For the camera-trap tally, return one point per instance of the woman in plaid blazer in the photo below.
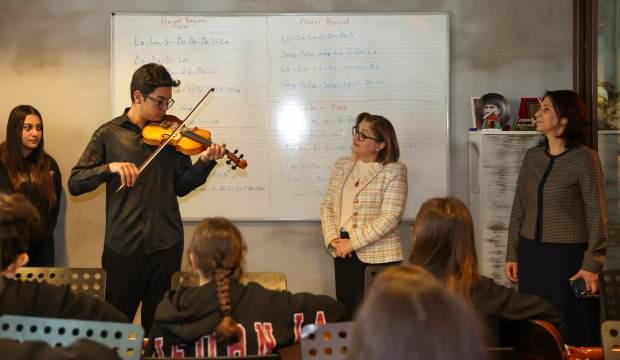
(363, 206)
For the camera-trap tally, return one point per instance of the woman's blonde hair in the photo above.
(385, 133)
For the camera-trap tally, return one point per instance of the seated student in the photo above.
(38, 350)
(223, 317)
(408, 314)
(17, 220)
(443, 243)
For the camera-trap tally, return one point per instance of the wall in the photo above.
(56, 56)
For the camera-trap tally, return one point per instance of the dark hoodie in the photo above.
(269, 320)
(38, 350)
(45, 300)
(495, 303)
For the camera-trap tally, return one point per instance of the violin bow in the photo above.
(165, 142)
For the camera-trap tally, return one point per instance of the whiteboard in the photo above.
(288, 89)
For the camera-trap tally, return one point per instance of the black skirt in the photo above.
(544, 270)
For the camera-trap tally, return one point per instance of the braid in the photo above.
(219, 252)
(227, 330)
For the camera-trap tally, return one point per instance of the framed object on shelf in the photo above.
(476, 112)
(526, 115)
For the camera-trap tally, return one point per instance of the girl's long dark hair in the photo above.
(36, 167)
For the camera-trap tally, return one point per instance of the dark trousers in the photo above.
(544, 270)
(351, 281)
(146, 278)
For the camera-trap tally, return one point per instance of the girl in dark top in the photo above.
(223, 317)
(443, 243)
(29, 170)
(17, 220)
(409, 315)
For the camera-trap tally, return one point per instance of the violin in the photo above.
(189, 141)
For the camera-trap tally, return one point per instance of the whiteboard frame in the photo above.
(446, 15)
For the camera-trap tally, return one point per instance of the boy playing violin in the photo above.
(144, 232)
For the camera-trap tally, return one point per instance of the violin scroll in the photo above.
(235, 161)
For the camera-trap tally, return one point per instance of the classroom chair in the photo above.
(609, 281)
(269, 280)
(126, 339)
(89, 281)
(370, 273)
(330, 341)
(610, 333)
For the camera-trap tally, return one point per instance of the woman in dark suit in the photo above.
(558, 226)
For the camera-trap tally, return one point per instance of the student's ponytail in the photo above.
(219, 251)
(227, 330)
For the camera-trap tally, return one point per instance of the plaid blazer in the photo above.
(378, 207)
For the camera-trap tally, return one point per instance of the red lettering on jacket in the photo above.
(239, 348)
(158, 344)
(320, 318)
(211, 346)
(298, 320)
(177, 352)
(264, 335)
(199, 347)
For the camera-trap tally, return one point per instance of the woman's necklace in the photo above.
(356, 176)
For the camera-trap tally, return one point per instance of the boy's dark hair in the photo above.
(149, 77)
(18, 218)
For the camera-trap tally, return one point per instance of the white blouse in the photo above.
(358, 175)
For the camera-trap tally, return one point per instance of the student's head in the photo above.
(375, 139)
(22, 153)
(408, 314)
(24, 131)
(217, 253)
(562, 114)
(151, 91)
(17, 221)
(443, 243)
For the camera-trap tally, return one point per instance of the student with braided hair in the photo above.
(223, 317)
